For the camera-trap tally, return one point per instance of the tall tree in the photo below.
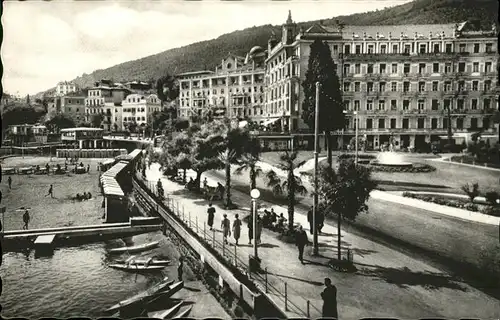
(167, 88)
(97, 120)
(60, 121)
(345, 192)
(249, 161)
(322, 69)
(290, 186)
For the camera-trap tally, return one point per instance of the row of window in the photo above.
(421, 123)
(435, 104)
(132, 119)
(422, 48)
(221, 91)
(435, 67)
(422, 86)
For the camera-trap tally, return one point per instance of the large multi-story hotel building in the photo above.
(137, 109)
(235, 89)
(399, 79)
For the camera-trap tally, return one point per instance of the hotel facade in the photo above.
(235, 89)
(398, 81)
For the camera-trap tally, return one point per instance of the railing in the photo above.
(266, 282)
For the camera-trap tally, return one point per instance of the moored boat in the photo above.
(183, 313)
(165, 314)
(135, 267)
(137, 248)
(141, 296)
(153, 262)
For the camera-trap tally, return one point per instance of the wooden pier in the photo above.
(54, 237)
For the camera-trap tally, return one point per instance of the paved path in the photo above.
(387, 283)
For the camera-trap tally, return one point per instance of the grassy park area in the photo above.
(30, 191)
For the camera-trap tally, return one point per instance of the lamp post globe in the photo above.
(255, 193)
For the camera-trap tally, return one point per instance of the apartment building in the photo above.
(234, 90)
(73, 105)
(102, 100)
(400, 80)
(65, 87)
(137, 109)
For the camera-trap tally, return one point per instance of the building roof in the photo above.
(81, 93)
(115, 170)
(395, 31)
(81, 129)
(111, 187)
(195, 73)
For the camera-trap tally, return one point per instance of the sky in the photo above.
(50, 41)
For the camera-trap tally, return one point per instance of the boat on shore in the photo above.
(165, 314)
(137, 248)
(155, 261)
(168, 292)
(151, 293)
(136, 267)
(183, 313)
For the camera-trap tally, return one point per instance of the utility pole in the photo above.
(316, 142)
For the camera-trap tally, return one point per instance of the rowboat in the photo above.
(165, 314)
(141, 296)
(138, 248)
(153, 262)
(135, 267)
(183, 313)
(168, 292)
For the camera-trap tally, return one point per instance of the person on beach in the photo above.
(26, 219)
(180, 267)
(88, 168)
(236, 228)
(329, 296)
(211, 215)
(10, 182)
(226, 228)
(205, 183)
(301, 241)
(50, 192)
(47, 166)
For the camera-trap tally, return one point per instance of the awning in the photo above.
(269, 121)
(243, 124)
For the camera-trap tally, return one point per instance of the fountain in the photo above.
(390, 159)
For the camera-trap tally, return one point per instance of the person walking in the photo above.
(250, 229)
(26, 219)
(211, 215)
(226, 228)
(50, 192)
(180, 268)
(329, 296)
(320, 220)
(236, 228)
(259, 229)
(310, 220)
(47, 166)
(301, 241)
(205, 183)
(10, 182)
(88, 168)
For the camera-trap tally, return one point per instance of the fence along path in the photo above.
(194, 217)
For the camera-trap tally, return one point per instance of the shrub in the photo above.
(492, 197)
(472, 190)
(491, 211)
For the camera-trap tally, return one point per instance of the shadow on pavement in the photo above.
(314, 283)
(404, 277)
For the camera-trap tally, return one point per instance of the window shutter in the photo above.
(363, 69)
(468, 68)
(429, 68)
(400, 87)
(414, 68)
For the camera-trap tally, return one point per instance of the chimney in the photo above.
(390, 35)
(377, 36)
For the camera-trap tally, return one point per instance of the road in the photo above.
(446, 236)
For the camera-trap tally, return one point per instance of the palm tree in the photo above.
(227, 157)
(249, 162)
(291, 186)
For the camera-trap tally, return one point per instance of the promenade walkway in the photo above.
(387, 283)
(447, 159)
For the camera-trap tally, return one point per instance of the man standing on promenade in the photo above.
(50, 192)
(26, 219)
(310, 220)
(211, 215)
(226, 228)
(329, 296)
(10, 182)
(236, 228)
(301, 241)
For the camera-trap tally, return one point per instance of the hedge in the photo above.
(455, 203)
(415, 168)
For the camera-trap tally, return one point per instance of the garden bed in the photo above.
(468, 159)
(456, 203)
(415, 168)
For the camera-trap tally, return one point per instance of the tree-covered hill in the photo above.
(207, 54)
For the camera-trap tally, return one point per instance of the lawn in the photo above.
(273, 157)
(31, 190)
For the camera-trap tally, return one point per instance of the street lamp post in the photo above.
(356, 130)
(255, 194)
(316, 142)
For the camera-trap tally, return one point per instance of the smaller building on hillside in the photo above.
(65, 87)
(73, 105)
(84, 138)
(137, 110)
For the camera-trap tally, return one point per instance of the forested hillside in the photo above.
(207, 54)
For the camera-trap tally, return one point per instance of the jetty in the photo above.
(49, 238)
